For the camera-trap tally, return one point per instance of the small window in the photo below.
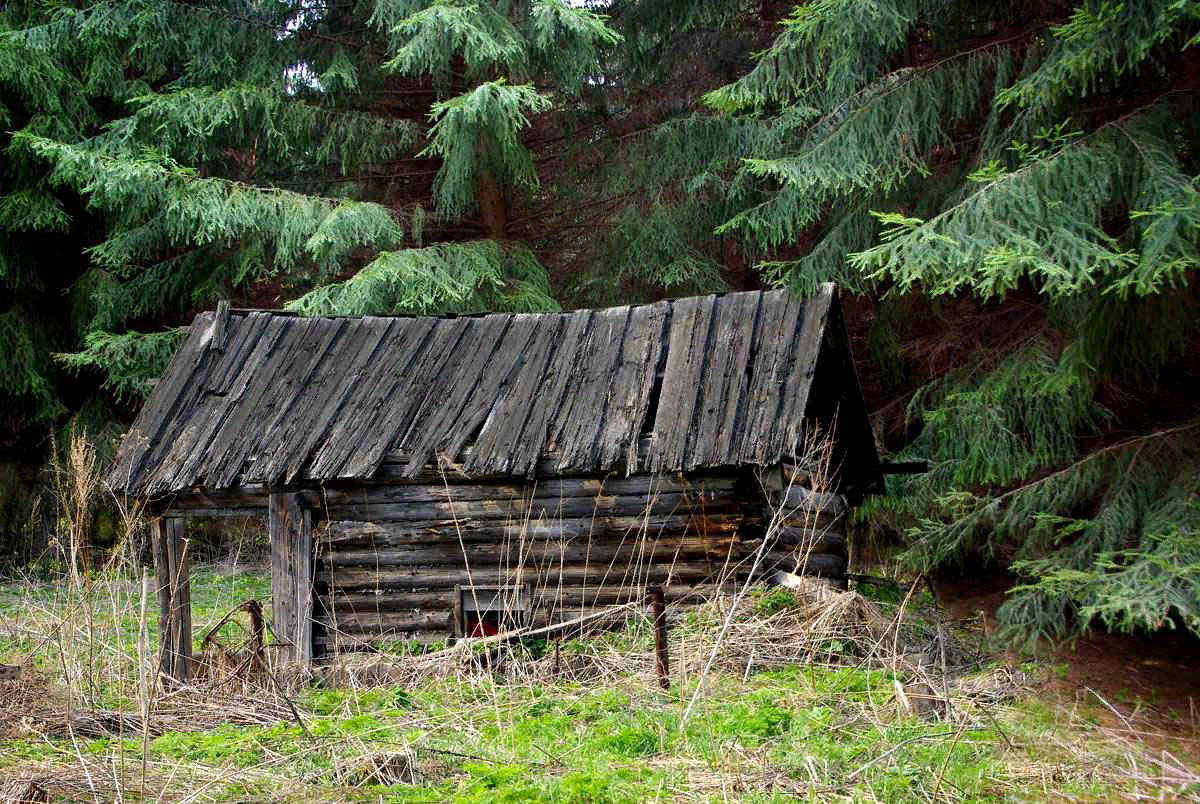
(486, 610)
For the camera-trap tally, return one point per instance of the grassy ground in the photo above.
(786, 710)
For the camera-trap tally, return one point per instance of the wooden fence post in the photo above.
(658, 611)
(174, 599)
(291, 573)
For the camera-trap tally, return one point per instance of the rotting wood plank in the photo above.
(571, 597)
(342, 377)
(220, 327)
(363, 579)
(407, 405)
(538, 552)
(527, 447)
(454, 410)
(407, 340)
(394, 408)
(288, 376)
(388, 622)
(682, 380)
(228, 419)
(173, 424)
(292, 574)
(537, 507)
(565, 488)
(723, 444)
(780, 316)
(578, 439)
(632, 382)
(174, 598)
(190, 452)
(717, 361)
(443, 399)
(350, 534)
(159, 412)
(788, 428)
(502, 428)
(591, 376)
(296, 404)
(493, 384)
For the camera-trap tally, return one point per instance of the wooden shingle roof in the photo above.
(262, 397)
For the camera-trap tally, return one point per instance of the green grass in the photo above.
(815, 732)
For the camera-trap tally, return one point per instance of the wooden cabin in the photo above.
(437, 477)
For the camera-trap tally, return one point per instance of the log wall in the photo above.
(401, 560)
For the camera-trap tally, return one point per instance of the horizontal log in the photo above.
(821, 565)
(818, 541)
(572, 597)
(536, 508)
(340, 533)
(383, 622)
(539, 552)
(555, 488)
(362, 579)
(799, 498)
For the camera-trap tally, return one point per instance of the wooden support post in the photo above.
(292, 573)
(174, 599)
(658, 611)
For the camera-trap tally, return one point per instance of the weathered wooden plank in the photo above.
(228, 444)
(350, 534)
(632, 382)
(411, 345)
(342, 376)
(795, 497)
(538, 507)
(292, 573)
(444, 373)
(174, 599)
(779, 316)
(789, 427)
(362, 579)
(682, 381)
(539, 552)
(581, 413)
(528, 446)
(579, 441)
(586, 487)
(499, 373)
(717, 365)
(465, 396)
(442, 400)
(189, 452)
(287, 386)
(502, 427)
(570, 597)
(814, 540)
(300, 403)
(820, 565)
(391, 412)
(181, 381)
(385, 622)
(731, 409)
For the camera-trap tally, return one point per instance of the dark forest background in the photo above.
(1005, 191)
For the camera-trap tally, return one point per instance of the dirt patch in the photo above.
(1142, 684)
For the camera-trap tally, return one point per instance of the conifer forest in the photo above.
(1005, 193)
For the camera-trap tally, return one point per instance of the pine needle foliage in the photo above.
(459, 277)
(477, 134)
(232, 149)
(930, 151)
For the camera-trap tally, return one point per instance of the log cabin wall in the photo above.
(437, 560)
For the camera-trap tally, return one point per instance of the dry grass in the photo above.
(798, 691)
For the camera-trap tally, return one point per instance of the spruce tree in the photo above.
(356, 157)
(1033, 163)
